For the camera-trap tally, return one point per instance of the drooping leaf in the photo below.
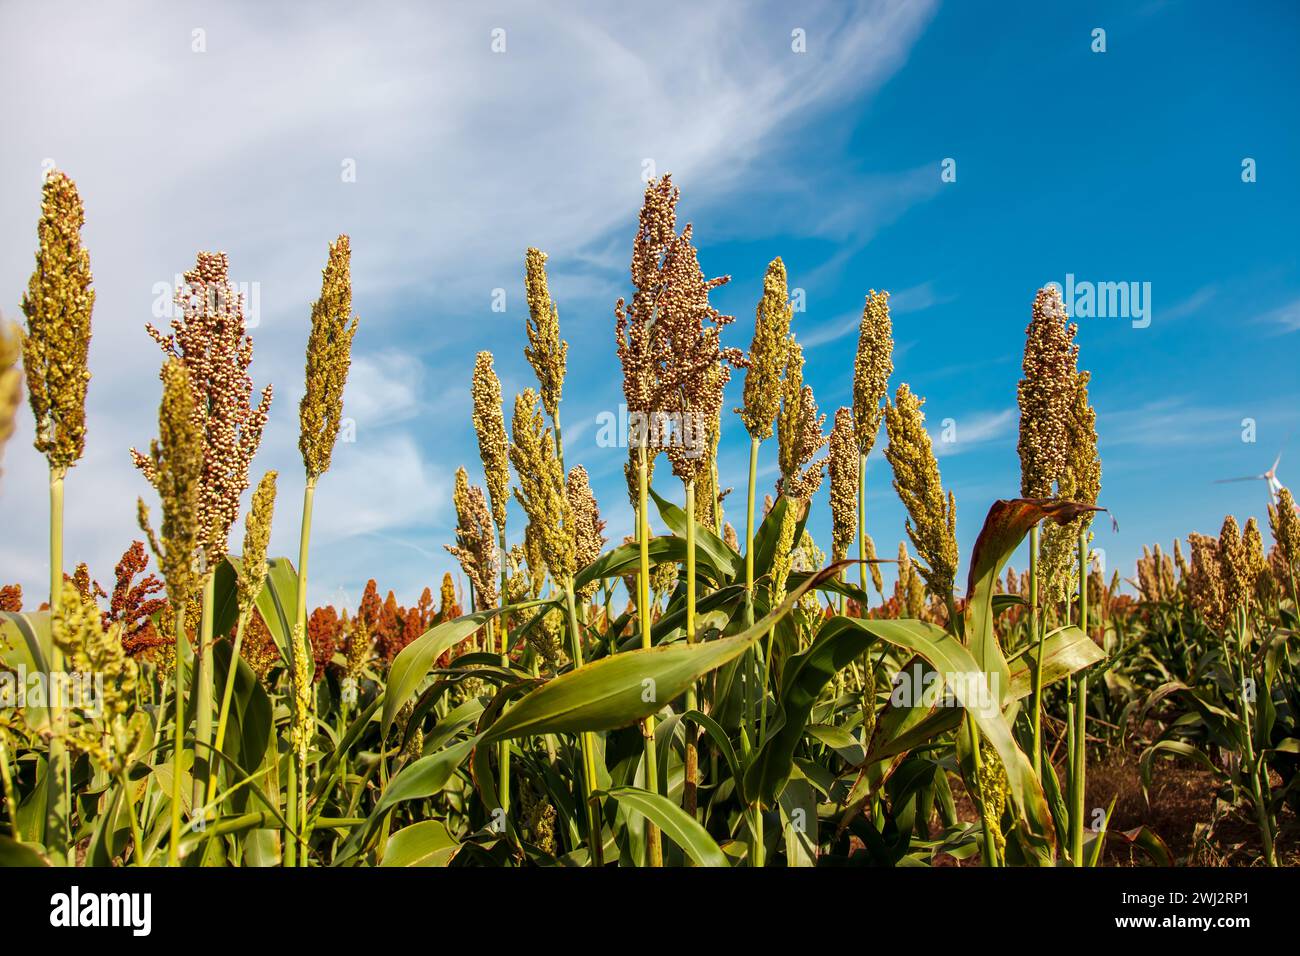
(1005, 527)
(674, 823)
(619, 690)
(426, 843)
(413, 662)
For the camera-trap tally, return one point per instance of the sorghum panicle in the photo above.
(932, 521)
(490, 427)
(209, 338)
(329, 356)
(58, 304)
(546, 351)
(767, 354)
(872, 366)
(842, 466)
(176, 466)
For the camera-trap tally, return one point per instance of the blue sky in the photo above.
(1122, 166)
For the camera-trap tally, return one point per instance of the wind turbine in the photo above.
(1270, 476)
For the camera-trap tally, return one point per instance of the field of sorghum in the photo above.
(712, 695)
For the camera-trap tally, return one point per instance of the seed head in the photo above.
(1256, 563)
(251, 576)
(669, 337)
(1285, 526)
(209, 340)
(57, 304)
(767, 354)
(932, 522)
(1234, 566)
(541, 489)
(104, 732)
(175, 465)
(1079, 480)
(1205, 585)
(475, 546)
(872, 366)
(490, 426)
(869, 552)
(329, 356)
(783, 558)
(730, 537)
(798, 431)
(1045, 395)
(587, 526)
(909, 592)
(546, 351)
(843, 468)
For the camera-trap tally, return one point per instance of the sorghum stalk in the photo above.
(585, 742)
(329, 356)
(178, 741)
(59, 802)
(176, 471)
(7, 780)
(654, 844)
(1079, 759)
(209, 338)
(872, 366)
(1036, 636)
(250, 578)
(58, 304)
(690, 790)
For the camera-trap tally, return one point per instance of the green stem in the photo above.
(227, 695)
(11, 800)
(178, 731)
(756, 827)
(654, 844)
(58, 809)
(584, 738)
(1252, 765)
(137, 837)
(862, 526)
(503, 748)
(203, 689)
(298, 794)
(690, 788)
(1079, 761)
(1036, 635)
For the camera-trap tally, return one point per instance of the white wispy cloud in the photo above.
(970, 431)
(462, 156)
(1284, 318)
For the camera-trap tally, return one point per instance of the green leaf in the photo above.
(674, 823)
(1066, 651)
(765, 538)
(424, 777)
(426, 843)
(950, 658)
(799, 815)
(415, 659)
(711, 552)
(612, 692)
(626, 559)
(1005, 527)
(13, 853)
(25, 639)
